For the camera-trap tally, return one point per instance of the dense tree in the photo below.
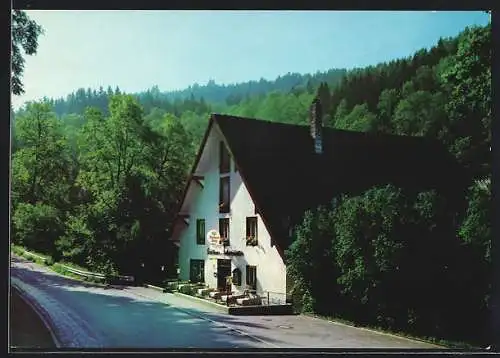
(360, 119)
(381, 238)
(468, 82)
(41, 167)
(369, 258)
(25, 34)
(41, 178)
(419, 114)
(476, 227)
(309, 261)
(386, 106)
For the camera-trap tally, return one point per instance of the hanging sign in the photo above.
(213, 237)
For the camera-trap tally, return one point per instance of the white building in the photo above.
(260, 264)
(254, 179)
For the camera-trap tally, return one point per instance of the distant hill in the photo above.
(210, 94)
(234, 93)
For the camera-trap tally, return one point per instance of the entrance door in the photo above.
(223, 270)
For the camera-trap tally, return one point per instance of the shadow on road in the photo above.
(121, 319)
(136, 317)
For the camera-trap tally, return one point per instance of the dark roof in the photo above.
(285, 176)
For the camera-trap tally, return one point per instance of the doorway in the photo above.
(223, 270)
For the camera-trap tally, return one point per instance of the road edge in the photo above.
(39, 311)
(372, 330)
(79, 280)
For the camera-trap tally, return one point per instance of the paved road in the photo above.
(87, 316)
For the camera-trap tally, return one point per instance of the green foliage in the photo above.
(18, 250)
(74, 243)
(387, 103)
(101, 190)
(360, 119)
(276, 106)
(37, 226)
(25, 34)
(364, 244)
(41, 168)
(476, 227)
(187, 289)
(369, 257)
(309, 261)
(419, 114)
(57, 267)
(467, 80)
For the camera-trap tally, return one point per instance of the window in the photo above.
(224, 230)
(252, 277)
(200, 231)
(252, 231)
(224, 195)
(197, 272)
(224, 160)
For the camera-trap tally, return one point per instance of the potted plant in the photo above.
(251, 240)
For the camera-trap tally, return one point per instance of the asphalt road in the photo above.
(82, 315)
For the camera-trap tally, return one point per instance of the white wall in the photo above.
(271, 271)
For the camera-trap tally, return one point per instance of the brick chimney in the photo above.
(316, 124)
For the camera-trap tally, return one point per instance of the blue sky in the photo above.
(174, 49)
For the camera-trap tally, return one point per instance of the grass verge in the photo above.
(58, 267)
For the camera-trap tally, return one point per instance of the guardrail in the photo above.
(35, 255)
(86, 273)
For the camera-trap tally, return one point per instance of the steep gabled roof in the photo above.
(285, 177)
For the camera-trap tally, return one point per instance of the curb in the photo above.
(203, 317)
(154, 287)
(219, 307)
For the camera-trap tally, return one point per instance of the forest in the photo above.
(97, 177)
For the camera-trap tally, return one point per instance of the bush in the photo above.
(171, 286)
(187, 289)
(370, 257)
(57, 267)
(37, 227)
(17, 250)
(74, 243)
(98, 280)
(49, 261)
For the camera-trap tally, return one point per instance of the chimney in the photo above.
(316, 124)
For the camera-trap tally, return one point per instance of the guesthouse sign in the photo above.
(213, 237)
